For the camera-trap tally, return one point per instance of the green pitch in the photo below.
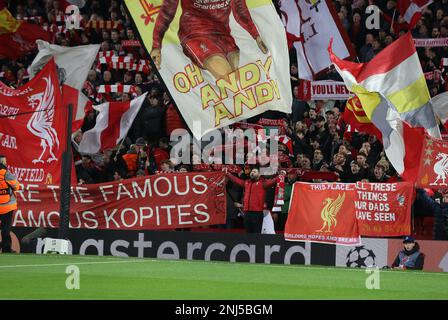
(28, 276)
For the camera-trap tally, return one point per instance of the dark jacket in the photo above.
(412, 260)
(440, 211)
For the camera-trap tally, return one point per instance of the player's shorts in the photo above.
(199, 48)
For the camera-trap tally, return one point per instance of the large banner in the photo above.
(433, 166)
(384, 209)
(222, 61)
(32, 136)
(323, 212)
(323, 90)
(435, 42)
(164, 201)
(316, 22)
(340, 212)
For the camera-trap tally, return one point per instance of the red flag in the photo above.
(323, 212)
(355, 117)
(36, 126)
(411, 10)
(384, 209)
(18, 37)
(112, 124)
(432, 164)
(73, 97)
(413, 142)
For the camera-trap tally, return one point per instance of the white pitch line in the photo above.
(310, 267)
(67, 264)
(299, 267)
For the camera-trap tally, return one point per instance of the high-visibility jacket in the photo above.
(8, 185)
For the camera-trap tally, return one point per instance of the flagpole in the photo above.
(120, 145)
(392, 23)
(64, 211)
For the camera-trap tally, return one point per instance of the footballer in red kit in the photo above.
(204, 33)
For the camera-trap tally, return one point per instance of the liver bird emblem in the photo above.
(40, 123)
(441, 169)
(329, 212)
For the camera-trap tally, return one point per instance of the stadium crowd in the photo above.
(320, 142)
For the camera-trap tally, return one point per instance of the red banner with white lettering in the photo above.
(384, 209)
(164, 201)
(340, 212)
(323, 212)
(32, 136)
(434, 42)
(323, 90)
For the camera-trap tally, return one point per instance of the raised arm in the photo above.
(236, 180)
(269, 183)
(426, 200)
(163, 21)
(242, 16)
(166, 15)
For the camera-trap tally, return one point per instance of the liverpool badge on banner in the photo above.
(323, 213)
(434, 164)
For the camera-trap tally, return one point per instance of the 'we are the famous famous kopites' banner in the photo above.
(223, 61)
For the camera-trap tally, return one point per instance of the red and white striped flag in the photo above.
(129, 66)
(116, 88)
(444, 62)
(112, 124)
(115, 59)
(108, 53)
(411, 10)
(53, 28)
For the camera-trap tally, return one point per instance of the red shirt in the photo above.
(202, 18)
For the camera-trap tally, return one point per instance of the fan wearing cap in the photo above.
(410, 258)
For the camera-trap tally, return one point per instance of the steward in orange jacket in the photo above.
(8, 202)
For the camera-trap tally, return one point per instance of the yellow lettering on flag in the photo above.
(369, 100)
(8, 24)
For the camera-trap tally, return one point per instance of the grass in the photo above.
(29, 276)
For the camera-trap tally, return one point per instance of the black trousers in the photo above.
(6, 222)
(253, 221)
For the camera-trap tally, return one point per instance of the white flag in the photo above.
(440, 106)
(73, 65)
(112, 124)
(318, 22)
(268, 223)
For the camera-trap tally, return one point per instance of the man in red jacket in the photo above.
(254, 198)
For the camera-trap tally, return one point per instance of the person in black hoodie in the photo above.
(410, 258)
